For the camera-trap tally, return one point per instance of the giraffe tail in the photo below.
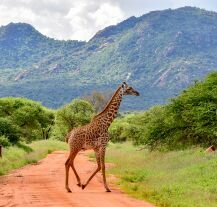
(67, 137)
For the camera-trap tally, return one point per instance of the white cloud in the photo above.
(107, 14)
(71, 19)
(86, 19)
(62, 19)
(20, 14)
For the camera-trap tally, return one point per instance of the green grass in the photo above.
(17, 156)
(177, 179)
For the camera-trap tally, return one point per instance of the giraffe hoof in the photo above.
(79, 184)
(83, 186)
(108, 190)
(68, 190)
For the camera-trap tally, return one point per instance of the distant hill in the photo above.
(162, 52)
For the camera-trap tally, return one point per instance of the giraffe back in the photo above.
(90, 136)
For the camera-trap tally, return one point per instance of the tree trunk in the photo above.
(0, 151)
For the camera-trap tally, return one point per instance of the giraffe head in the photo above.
(128, 90)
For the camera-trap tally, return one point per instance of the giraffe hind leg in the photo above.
(97, 170)
(70, 162)
(74, 170)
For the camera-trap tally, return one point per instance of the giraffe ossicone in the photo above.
(95, 136)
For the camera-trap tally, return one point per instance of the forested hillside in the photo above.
(162, 52)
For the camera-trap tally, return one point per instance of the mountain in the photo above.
(162, 52)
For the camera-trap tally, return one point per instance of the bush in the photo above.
(4, 141)
(116, 132)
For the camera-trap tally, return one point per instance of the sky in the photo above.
(81, 19)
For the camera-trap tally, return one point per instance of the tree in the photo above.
(74, 114)
(98, 99)
(8, 131)
(31, 119)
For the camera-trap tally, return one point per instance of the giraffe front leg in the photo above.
(102, 158)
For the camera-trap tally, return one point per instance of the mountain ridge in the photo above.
(164, 51)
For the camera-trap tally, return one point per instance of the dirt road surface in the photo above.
(42, 185)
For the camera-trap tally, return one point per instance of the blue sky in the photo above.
(81, 19)
(139, 7)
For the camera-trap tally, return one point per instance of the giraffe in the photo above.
(95, 136)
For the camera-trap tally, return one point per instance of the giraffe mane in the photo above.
(107, 105)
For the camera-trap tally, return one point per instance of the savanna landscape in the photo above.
(157, 150)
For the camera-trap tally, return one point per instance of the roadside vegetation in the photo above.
(188, 120)
(183, 178)
(22, 154)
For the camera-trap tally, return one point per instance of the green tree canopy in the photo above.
(8, 130)
(74, 114)
(31, 119)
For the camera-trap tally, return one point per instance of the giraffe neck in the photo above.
(107, 116)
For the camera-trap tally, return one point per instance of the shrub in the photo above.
(4, 141)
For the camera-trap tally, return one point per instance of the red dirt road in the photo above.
(43, 185)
